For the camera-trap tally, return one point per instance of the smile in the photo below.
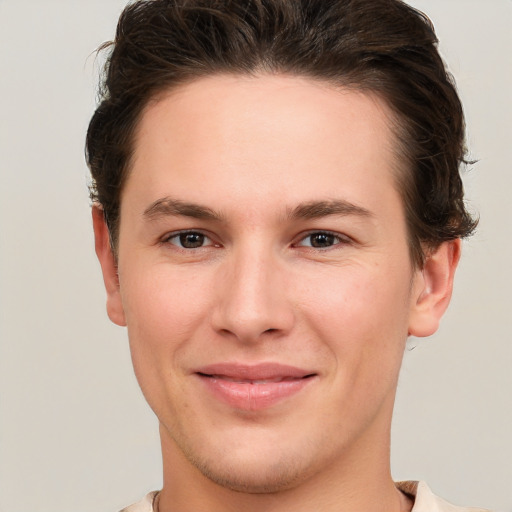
(249, 381)
(253, 388)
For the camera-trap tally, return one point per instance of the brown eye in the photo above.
(322, 240)
(192, 240)
(189, 240)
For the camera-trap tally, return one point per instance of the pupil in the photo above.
(191, 240)
(322, 240)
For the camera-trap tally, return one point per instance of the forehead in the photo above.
(242, 138)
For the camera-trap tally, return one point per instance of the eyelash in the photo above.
(336, 238)
(177, 235)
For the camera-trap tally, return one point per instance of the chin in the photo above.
(251, 471)
(253, 478)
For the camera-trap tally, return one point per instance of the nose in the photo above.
(253, 302)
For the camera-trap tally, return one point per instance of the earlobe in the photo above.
(108, 264)
(432, 289)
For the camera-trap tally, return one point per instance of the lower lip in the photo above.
(253, 396)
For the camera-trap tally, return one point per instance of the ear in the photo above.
(432, 289)
(108, 264)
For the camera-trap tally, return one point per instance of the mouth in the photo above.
(254, 387)
(253, 381)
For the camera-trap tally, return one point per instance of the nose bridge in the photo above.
(253, 299)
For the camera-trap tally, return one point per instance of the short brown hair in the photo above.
(379, 46)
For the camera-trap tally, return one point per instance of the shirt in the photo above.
(424, 500)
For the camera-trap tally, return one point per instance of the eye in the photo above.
(321, 240)
(189, 240)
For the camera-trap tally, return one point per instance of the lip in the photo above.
(254, 387)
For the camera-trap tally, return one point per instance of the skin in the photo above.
(252, 155)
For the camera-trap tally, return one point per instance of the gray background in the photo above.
(75, 433)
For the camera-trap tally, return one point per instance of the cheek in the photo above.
(358, 298)
(163, 311)
(162, 314)
(162, 303)
(362, 316)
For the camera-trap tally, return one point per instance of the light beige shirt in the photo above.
(424, 500)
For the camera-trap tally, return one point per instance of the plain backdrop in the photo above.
(76, 434)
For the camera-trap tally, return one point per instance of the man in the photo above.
(277, 207)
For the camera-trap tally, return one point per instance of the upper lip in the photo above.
(249, 372)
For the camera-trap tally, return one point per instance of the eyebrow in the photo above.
(174, 207)
(311, 210)
(318, 209)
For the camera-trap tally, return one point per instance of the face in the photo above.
(264, 277)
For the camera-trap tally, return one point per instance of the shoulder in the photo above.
(426, 501)
(144, 505)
